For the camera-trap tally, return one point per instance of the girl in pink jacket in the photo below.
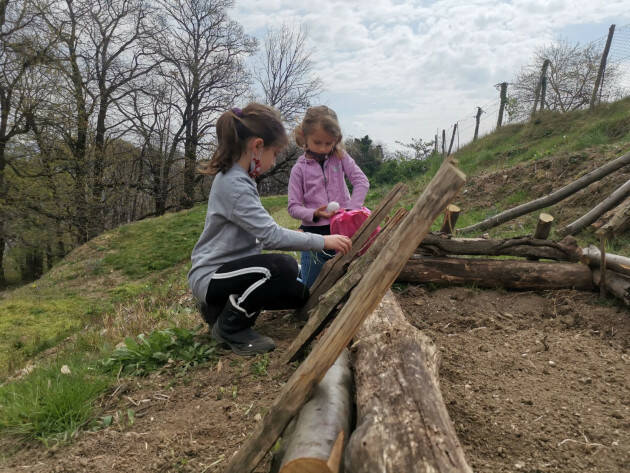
(318, 178)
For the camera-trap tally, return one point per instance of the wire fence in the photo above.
(617, 65)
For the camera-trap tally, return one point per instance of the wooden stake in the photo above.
(602, 65)
(363, 300)
(602, 265)
(450, 218)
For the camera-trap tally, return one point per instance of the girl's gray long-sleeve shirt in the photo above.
(237, 225)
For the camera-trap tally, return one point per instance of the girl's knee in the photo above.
(285, 265)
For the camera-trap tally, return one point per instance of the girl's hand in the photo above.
(323, 213)
(339, 243)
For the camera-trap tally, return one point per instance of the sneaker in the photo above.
(246, 342)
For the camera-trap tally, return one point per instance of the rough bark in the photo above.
(565, 250)
(616, 222)
(611, 201)
(509, 274)
(552, 198)
(320, 423)
(402, 422)
(363, 300)
(450, 219)
(617, 284)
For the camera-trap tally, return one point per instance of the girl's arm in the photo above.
(360, 182)
(296, 206)
(251, 216)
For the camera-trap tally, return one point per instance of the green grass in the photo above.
(51, 404)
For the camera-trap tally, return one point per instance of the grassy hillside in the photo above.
(132, 280)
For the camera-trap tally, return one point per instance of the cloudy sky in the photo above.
(398, 70)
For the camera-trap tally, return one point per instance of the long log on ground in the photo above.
(439, 245)
(550, 199)
(509, 274)
(618, 221)
(611, 201)
(592, 256)
(334, 268)
(616, 283)
(319, 314)
(402, 422)
(316, 442)
(363, 300)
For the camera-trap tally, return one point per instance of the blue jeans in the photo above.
(312, 263)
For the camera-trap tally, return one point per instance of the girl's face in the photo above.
(320, 141)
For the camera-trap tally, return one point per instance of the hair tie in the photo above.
(238, 112)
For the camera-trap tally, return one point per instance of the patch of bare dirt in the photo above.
(534, 382)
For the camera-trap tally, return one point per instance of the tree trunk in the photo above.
(320, 423)
(611, 201)
(565, 250)
(616, 283)
(363, 300)
(3, 281)
(592, 256)
(618, 220)
(508, 274)
(402, 422)
(550, 199)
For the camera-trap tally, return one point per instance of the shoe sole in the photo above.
(239, 350)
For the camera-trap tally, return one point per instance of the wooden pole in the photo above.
(543, 92)
(602, 265)
(450, 147)
(503, 96)
(602, 65)
(435, 144)
(443, 143)
(477, 120)
(363, 300)
(552, 198)
(450, 218)
(593, 257)
(543, 73)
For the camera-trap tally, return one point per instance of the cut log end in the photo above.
(450, 219)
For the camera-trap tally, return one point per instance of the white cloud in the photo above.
(397, 70)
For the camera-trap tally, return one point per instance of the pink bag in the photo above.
(347, 222)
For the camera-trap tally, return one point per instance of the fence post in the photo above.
(602, 65)
(435, 144)
(443, 143)
(543, 73)
(450, 148)
(503, 101)
(543, 92)
(477, 118)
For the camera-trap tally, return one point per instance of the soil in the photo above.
(534, 382)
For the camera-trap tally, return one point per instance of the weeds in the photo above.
(147, 353)
(259, 365)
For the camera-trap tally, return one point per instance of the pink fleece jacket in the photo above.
(310, 187)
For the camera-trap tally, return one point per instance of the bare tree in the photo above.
(286, 72)
(571, 77)
(202, 52)
(286, 76)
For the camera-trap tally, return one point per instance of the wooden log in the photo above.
(592, 256)
(450, 218)
(317, 439)
(549, 199)
(319, 314)
(402, 422)
(334, 268)
(565, 250)
(543, 227)
(508, 274)
(617, 284)
(611, 201)
(364, 298)
(618, 222)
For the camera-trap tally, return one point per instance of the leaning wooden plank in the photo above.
(616, 283)
(440, 245)
(402, 422)
(592, 256)
(310, 448)
(334, 268)
(318, 315)
(611, 201)
(550, 199)
(509, 274)
(363, 299)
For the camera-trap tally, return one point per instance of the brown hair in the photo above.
(235, 127)
(324, 117)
